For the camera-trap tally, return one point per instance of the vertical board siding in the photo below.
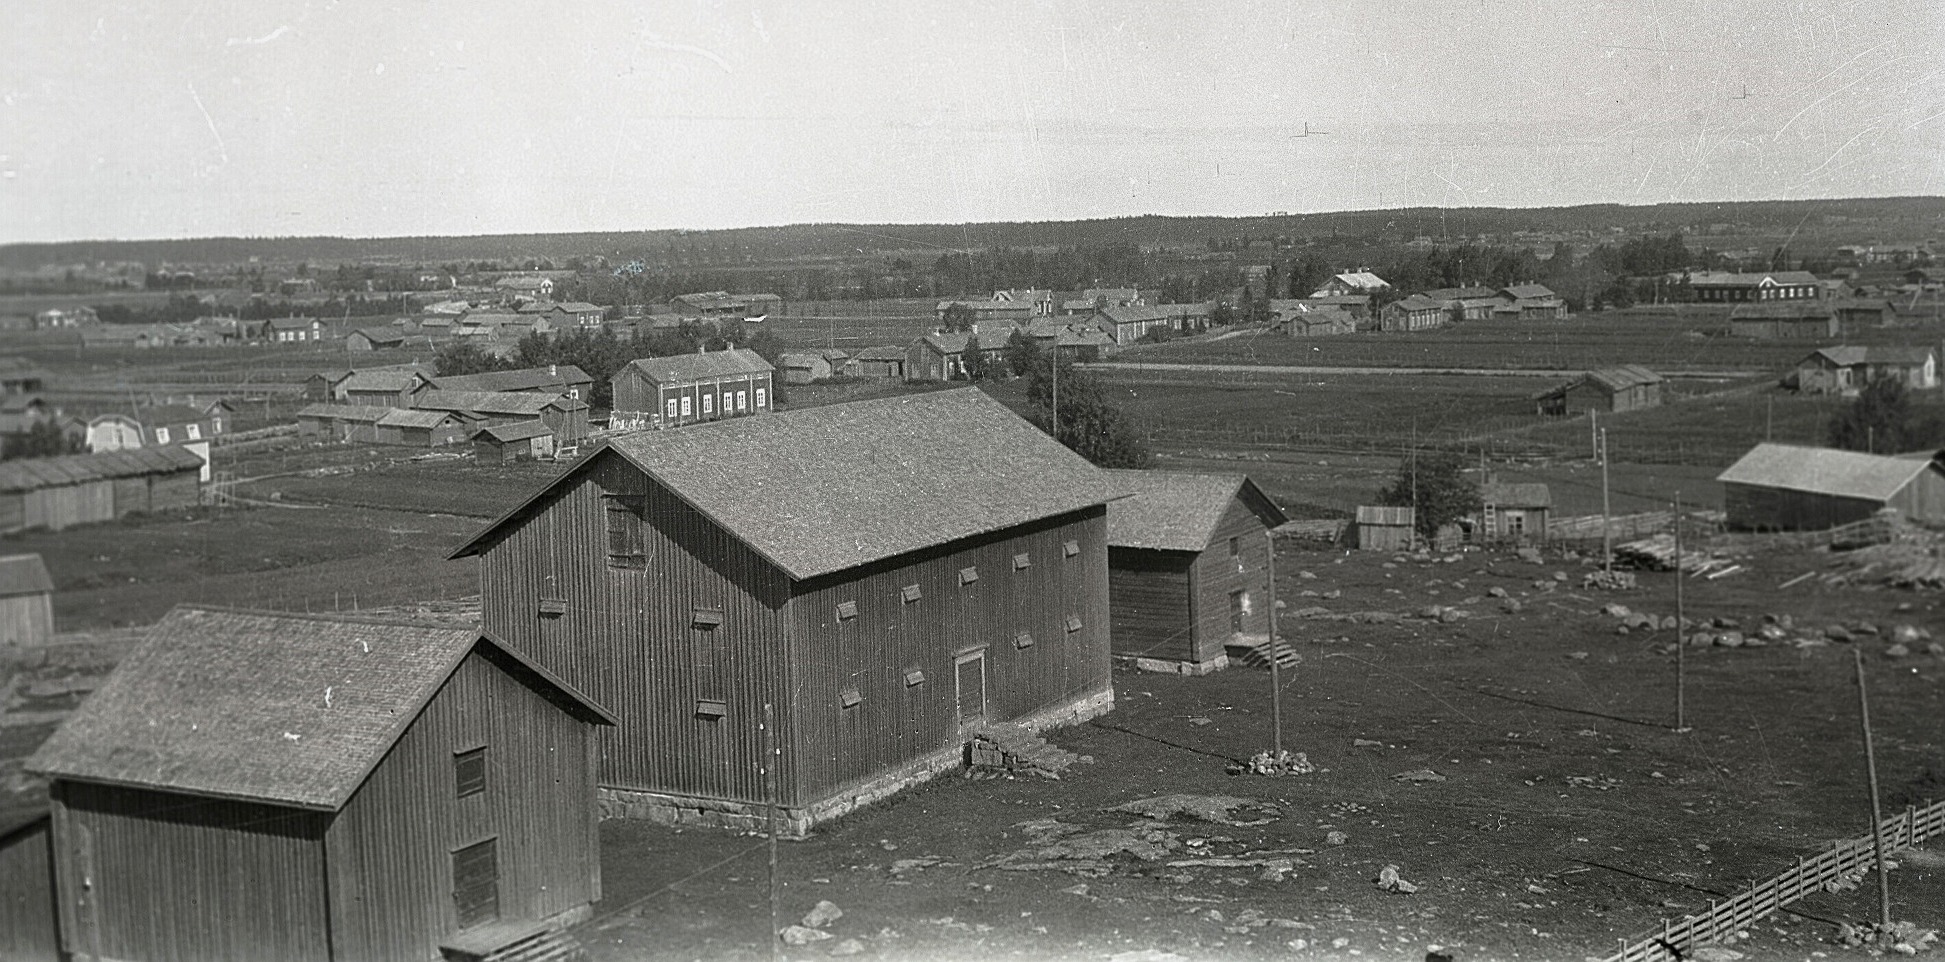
(1216, 576)
(389, 853)
(183, 877)
(1148, 592)
(26, 620)
(835, 747)
(626, 639)
(27, 928)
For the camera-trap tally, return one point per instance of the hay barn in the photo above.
(249, 786)
(517, 441)
(57, 493)
(1781, 487)
(1629, 387)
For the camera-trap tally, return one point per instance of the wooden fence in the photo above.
(1724, 918)
(1624, 527)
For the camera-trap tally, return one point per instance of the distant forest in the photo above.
(1837, 221)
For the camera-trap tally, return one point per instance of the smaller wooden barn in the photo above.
(1847, 368)
(566, 416)
(26, 603)
(57, 493)
(1785, 320)
(28, 926)
(1191, 568)
(879, 363)
(421, 429)
(381, 388)
(1783, 487)
(341, 422)
(668, 392)
(1512, 511)
(941, 355)
(1382, 527)
(1415, 313)
(515, 441)
(549, 379)
(254, 785)
(1629, 387)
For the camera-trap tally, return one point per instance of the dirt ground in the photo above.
(1569, 814)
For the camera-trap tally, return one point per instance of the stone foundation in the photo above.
(688, 811)
(1169, 666)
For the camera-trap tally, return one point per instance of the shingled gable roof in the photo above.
(1846, 355)
(682, 368)
(24, 574)
(495, 402)
(270, 707)
(903, 474)
(515, 431)
(1179, 511)
(525, 379)
(1845, 474)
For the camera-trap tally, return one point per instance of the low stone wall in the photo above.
(1169, 667)
(795, 822)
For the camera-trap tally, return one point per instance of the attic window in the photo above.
(706, 618)
(847, 610)
(1022, 561)
(910, 593)
(914, 677)
(627, 545)
(553, 607)
(711, 708)
(1073, 622)
(469, 772)
(1023, 640)
(849, 698)
(1070, 548)
(1235, 547)
(969, 574)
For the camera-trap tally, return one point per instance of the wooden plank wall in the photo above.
(389, 853)
(28, 931)
(1217, 574)
(836, 747)
(1148, 593)
(1754, 507)
(26, 621)
(627, 637)
(181, 877)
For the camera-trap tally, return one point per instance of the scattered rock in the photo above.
(1714, 953)
(1897, 651)
(1560, 576)
(1669, 623)
(1641, 621)
(1208, 808)
(1531, 555)
(1418, 775)
(848, 947)
(1511, 606)
(1080, 889)
(1496, 591)
(1724, 621)
(802, 935)
(1365, 743)
(1613, 610)
(1904, 634)
(1936, 649)
(823, 914)
(1336, 838)
(1864, 628)
(1389, 881)
(1306, 576)
(1729, 639)
(1837, 633)
(1146, 955)
(1334, 593)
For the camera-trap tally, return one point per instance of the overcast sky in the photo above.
(279, 117)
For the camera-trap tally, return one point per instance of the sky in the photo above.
(196, 118)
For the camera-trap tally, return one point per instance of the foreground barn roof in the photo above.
(1848, 474)
(267, 707)
(824, 489)
(1179, 511)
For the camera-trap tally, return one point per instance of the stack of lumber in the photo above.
(1657, 553)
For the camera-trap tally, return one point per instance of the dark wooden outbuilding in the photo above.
(1513, 511)
(887, 575)
(667, 392)
(28, 929)
(1782, 487)
(1385, 527)
(1629, 387)
(1191, 568)
(57, 493)
(421, 429)
(250, 786)
(26, 603)
(521, 440)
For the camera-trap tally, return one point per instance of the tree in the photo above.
(973, 359)
(1088, 423)
(464, 357)
(959, 317)
(1434, 483)
(1023, 356)
(43, 439)
(1879, 420)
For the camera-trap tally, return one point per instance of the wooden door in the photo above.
(476, 883)
(970, 677)
(1238, 606)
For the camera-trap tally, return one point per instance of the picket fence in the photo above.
(1674, 940)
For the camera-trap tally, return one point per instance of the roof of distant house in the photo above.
(883, 352)
(515, 431)
(1612, 379)
(27, 474)
(1850, 474)
(387, 381)
(495, 402)
(524, 379)
(24, 574)
(1527, 292)
(1516, 494)
(167, 414)
(1782, 310)
(409, 418)
(1748, 279)
(1132, 314)
(291, 323)
(370, 413)
(1416, 302)
(1363, 280)
(382, 335)
(1178, 510)
(1846, 355)
(681, 368)
(906, 475)
(267, 707)
(954, 342)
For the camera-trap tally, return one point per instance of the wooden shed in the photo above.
(1629, 387)
(667, 392)
(1386, 527)
(28, 926)
(1785, 320)
(254, 785)
(421, 429)
(1782, 487)
(879, 363)
(381, 388)
(939, 565)
(1515, 511)
(566, 416)
(1847, 368)
(515, 441)
(26, 603)
(1191, 568)
(548, 379)
(57, 493)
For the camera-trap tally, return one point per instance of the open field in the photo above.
(1570, 814)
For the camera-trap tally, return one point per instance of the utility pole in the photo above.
(1607, 535)
(1681, 628)
(1276, 677)
(770, 789)
(1877, 816)
(1769, 418)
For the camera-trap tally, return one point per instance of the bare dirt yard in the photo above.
(1560, 811)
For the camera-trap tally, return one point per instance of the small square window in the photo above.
(553, 607)
(706, 618)
(469, 772)
(1073, 622)
(1070, 548)
(914, 677)
(910, 593)
(1022, 561)
(711, 708)
(847, 610)
(969, 574)
(1023, 640)
(849, 698)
